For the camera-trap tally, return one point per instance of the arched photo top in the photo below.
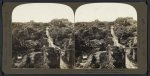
(104, 12)
(42, 12)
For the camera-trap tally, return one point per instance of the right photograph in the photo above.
(106, 36)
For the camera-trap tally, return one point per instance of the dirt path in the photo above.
(63, 65)
(115, 38)
(128, 63)
(50, 40)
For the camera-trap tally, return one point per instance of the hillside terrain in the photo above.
(62, 44)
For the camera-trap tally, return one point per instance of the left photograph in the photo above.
(42, 36)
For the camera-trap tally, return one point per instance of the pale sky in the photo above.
(45, 12)
(41, 12)
(104, 12)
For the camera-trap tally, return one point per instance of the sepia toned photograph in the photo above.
(106, 36)
(95, 36)
(42, 36)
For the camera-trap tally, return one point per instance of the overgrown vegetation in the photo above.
(89, 44)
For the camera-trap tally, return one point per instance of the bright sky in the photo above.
(104, 12)
(45, 12)
(41, 12)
